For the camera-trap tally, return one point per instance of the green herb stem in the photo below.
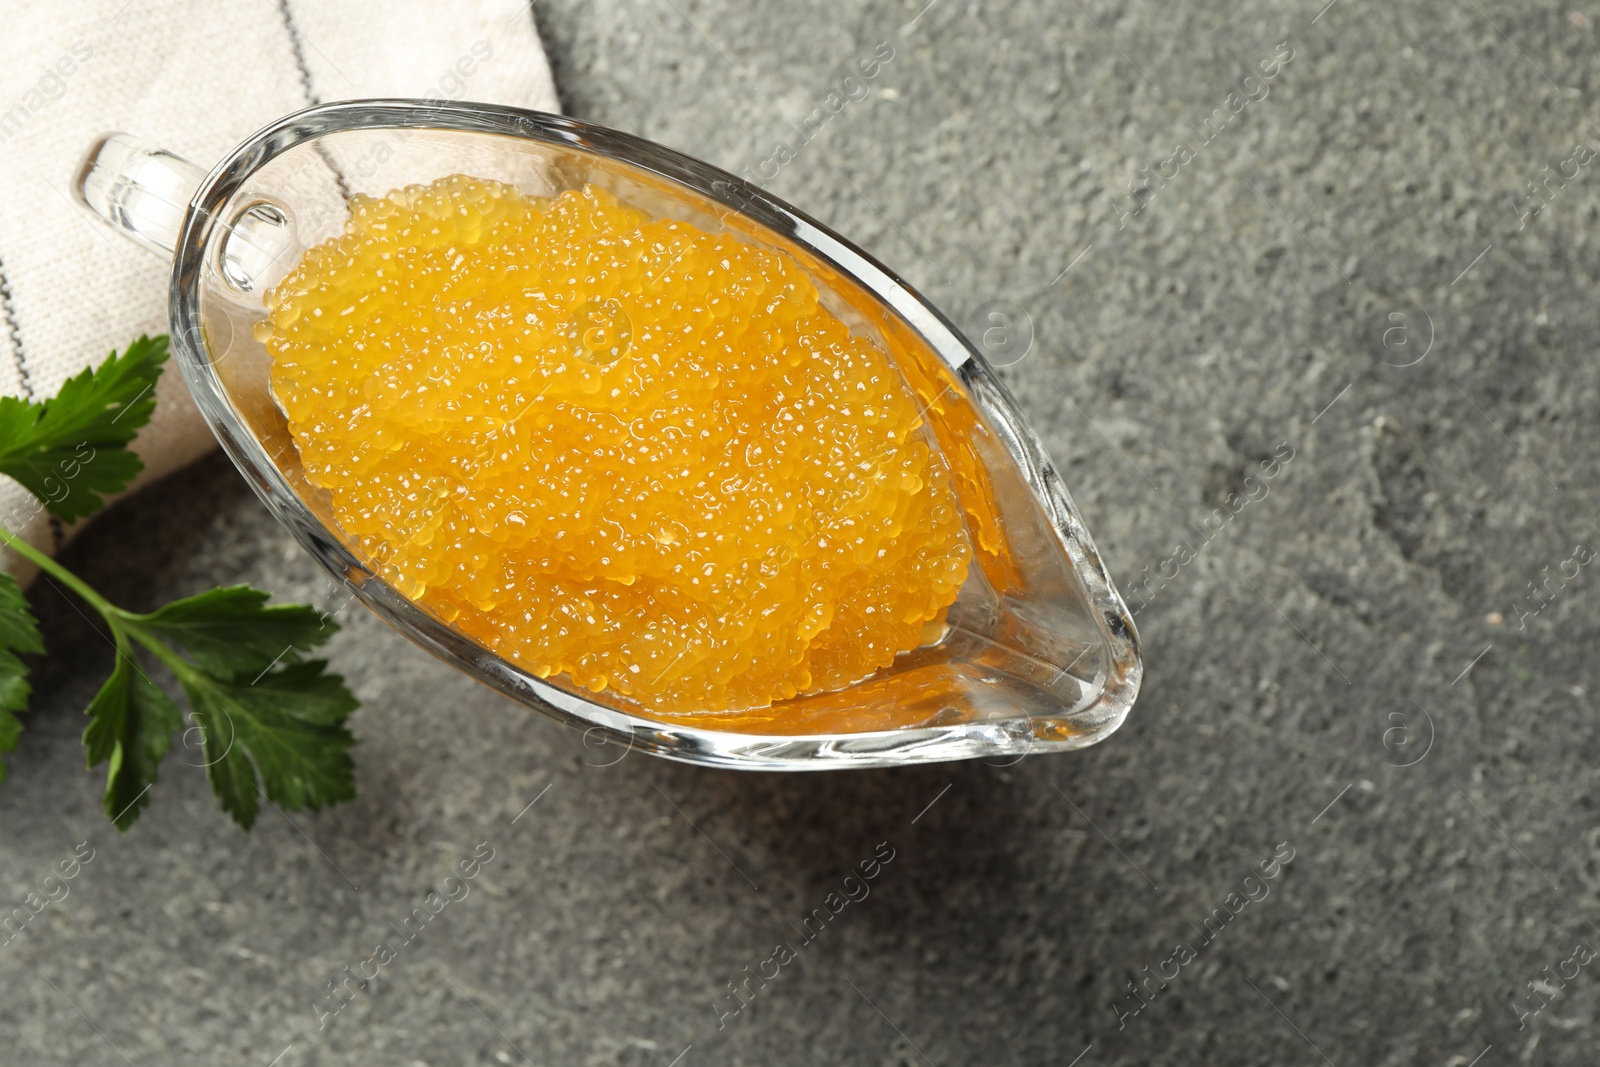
(179, 666)
(124, 624)
(58, 572)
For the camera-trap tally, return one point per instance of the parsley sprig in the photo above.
(270, 722)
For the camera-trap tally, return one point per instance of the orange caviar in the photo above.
(614, 446)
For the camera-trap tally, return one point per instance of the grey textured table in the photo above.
(1352, 670)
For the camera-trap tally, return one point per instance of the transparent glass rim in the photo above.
(1010, 738)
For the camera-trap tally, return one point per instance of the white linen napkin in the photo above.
(196, 78)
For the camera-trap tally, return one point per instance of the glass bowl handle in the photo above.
(143, 192)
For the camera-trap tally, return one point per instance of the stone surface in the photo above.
(1339, 271)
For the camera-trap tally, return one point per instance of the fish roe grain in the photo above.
(615, 447)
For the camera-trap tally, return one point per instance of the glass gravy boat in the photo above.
(1038, 652)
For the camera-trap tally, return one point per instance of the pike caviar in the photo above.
(615, 446)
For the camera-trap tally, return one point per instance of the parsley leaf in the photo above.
(131, 724)
(18, 633)
(289, 726)
(270, 724)
(72, 449)
(234, 631)
(258, 707)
